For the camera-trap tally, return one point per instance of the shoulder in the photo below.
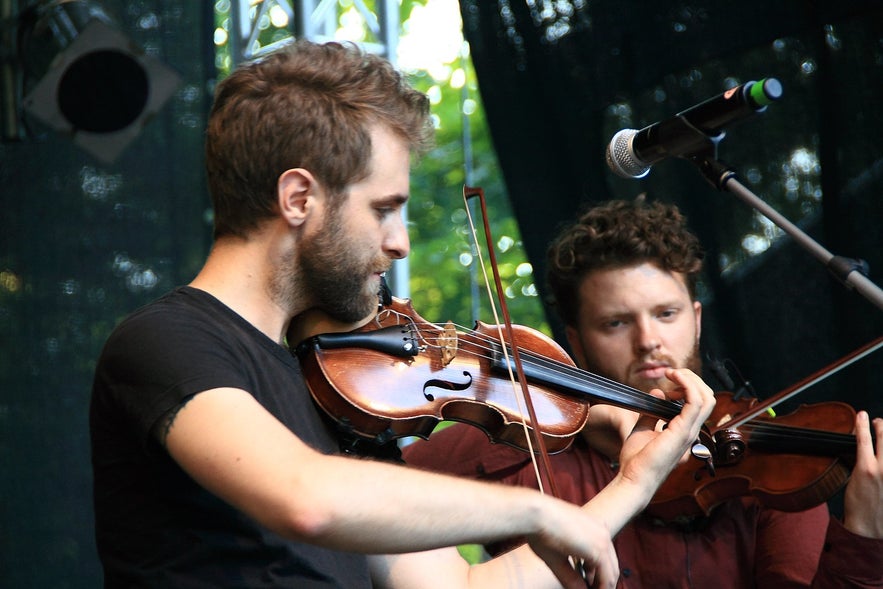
(162, 315)
(183, 319)
(180, 306)
(167, 342)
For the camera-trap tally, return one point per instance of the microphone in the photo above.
(631, 153)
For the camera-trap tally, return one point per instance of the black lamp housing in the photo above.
(82, 77)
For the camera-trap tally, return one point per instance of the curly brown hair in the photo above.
(619, 234)
(307, 106)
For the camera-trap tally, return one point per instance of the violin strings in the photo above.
(629, 397)
(482, 346)
(553, 365)
(773, 432)
(637, 396)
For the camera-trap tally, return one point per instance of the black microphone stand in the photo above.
(850, 272)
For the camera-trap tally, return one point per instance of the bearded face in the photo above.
(642, 380)
(634, 324)
(348, 240)
(339, 271)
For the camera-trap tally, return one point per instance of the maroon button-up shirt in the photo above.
(741, 545)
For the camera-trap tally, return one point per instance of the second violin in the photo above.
(791, 462)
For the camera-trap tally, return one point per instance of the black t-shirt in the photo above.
(156, 527)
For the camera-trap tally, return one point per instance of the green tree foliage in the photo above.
(444, 261)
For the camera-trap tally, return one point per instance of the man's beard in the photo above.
(333, 274)
(693, 361)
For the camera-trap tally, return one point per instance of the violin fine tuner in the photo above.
(701, 452)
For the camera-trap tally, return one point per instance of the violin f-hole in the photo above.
(446, 385)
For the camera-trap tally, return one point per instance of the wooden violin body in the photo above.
(400, 375)
(790, 462)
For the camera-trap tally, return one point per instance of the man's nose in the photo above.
(396, 243)
(646, 337)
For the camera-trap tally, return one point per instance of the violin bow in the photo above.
(804, 384)
(476, 192)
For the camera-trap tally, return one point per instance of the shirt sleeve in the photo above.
(812, 549)
(155, 361)
(849, 560)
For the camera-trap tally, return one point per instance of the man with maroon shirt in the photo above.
(623, 280)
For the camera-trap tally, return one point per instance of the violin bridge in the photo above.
(447, 343)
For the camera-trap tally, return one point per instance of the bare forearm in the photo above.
(649, 452)
(617, 503)
(335, 501)
(375, 507)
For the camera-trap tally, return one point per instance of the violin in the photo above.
(789, 462)
(400, 375)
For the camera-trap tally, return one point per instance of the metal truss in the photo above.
(251, 20)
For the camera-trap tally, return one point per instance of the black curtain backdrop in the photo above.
(82, 244)
(558, 79)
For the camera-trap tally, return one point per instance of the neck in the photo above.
(238, 273)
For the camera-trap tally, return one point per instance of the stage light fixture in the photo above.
(84, 78)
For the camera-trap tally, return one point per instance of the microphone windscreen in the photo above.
(621, 158)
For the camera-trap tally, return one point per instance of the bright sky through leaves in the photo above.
(432, 38)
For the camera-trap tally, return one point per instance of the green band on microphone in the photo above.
(765, 91)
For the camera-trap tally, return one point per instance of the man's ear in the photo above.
(697, 310)
(296, 192)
